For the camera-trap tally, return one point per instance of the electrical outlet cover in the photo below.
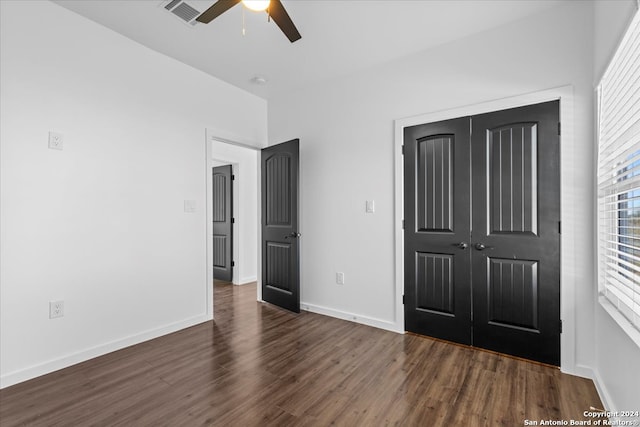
(56, 309)
(56, 141)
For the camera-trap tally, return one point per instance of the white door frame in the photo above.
(220, 136)
(568, 182)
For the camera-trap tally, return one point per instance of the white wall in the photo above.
(101, 224)
(245, 206)
(617, 361)
(346, 134)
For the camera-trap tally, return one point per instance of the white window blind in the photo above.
(619, 178)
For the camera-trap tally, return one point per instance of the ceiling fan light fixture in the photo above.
(274, 8)
(256, 5)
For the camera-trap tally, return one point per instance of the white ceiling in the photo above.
(338, 36)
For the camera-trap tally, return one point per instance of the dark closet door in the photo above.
(437, 221)
(492, 181)
(516, 235)
(222, 223)
(280, 237)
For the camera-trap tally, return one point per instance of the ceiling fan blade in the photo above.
(218, 8)
(282, 19)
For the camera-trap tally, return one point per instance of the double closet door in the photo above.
(482, 231)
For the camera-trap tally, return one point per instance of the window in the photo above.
(619, 178)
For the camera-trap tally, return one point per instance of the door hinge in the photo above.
(404, 300)
(559, 227)
(233, 263)
(560, 326)
(233, 177)
(559, 128)
(403, 150)
(233, 220)
(403, 224)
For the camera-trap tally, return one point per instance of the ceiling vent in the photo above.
(183, 10)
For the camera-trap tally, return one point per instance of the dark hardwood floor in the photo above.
(259, 365)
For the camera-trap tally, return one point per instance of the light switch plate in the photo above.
(189, 206)
(371, 206)
(56, 141)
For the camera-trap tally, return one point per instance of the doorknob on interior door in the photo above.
(293, 235)
(481, 247)
(462, 245)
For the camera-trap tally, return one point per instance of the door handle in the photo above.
(461, 245)
(293, 235)
(481, 247)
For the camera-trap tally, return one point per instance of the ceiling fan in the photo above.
(274, 9)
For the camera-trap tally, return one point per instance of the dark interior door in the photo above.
(516, 235)
(280, 236)
(223, 223)
(492, 181)
(437, 224)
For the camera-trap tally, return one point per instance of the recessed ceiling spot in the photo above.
(259, 80)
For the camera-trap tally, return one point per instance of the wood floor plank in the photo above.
(258, 365)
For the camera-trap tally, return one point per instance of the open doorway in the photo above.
(243, 160)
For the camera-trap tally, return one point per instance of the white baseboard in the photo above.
(22, 375)
(578, 370)
(369, 321)
(247, 280)
(605, 397)
(587, 372)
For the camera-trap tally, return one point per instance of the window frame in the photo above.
(613, 207)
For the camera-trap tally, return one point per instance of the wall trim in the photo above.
(605, 397)
(351, 317)
(568, 260)
(22, 375)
